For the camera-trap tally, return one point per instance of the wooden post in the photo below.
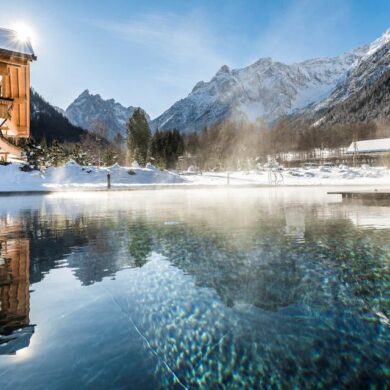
(108, 180)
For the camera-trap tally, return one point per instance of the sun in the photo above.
(23, 32)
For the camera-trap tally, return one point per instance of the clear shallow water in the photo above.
(268, 288)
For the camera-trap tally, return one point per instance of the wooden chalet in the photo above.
(16, 54)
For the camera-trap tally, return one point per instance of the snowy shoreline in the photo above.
(73, 177)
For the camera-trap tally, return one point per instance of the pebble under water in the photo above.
(261, 288)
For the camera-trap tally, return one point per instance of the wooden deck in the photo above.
(364, 195)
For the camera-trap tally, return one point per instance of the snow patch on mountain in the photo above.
(265, 90)
(370, 68)
(378, 43)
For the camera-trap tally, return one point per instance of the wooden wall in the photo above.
(16, 85)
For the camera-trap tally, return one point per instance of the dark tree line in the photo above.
(90, 151)
(166, 147)
(235, 144)
(227, 145)
(163, 148)
(285, 137)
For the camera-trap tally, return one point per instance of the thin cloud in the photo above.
(185, 43)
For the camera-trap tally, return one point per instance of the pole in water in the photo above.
(108, 180)
(228, 178)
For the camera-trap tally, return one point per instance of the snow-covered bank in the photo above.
(75, 177)
(318, 176)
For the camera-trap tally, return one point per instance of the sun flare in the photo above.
(23, 32)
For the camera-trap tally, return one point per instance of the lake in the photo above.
(227, 288)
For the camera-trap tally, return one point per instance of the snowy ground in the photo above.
(75, 177)
(342, 175)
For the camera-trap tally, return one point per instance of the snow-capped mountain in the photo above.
(371, 67)
(362, 94)
(88, 110)
(268, 89)
(369, 104)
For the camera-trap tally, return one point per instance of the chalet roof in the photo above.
(9, 42)
(370, 146)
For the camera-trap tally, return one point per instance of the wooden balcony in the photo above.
(6, 105)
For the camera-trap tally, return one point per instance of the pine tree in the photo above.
(80, 156)
(110, 156)
(138, 137)
(35, 155)
(156, 148)
(56, 155)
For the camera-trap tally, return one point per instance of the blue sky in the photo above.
(151, 53)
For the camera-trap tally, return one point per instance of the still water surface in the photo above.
(269, 288)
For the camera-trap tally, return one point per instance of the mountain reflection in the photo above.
(267, 257)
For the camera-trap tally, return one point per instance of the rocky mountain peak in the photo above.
(88, 110)
(85, 93)
(262, 62)
(223, 70)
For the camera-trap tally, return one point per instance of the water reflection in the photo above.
(272, 293)
(295, 222)
(15, 328)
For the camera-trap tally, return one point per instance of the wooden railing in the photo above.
(7, 147)
(6, 105)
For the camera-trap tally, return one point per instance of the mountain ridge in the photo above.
(48, 122)
(265, 90)
(91, 110)
(354, 96)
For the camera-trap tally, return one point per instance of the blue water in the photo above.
(269, 288)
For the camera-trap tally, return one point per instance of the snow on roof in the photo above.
(9, 41)
(370, 146)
